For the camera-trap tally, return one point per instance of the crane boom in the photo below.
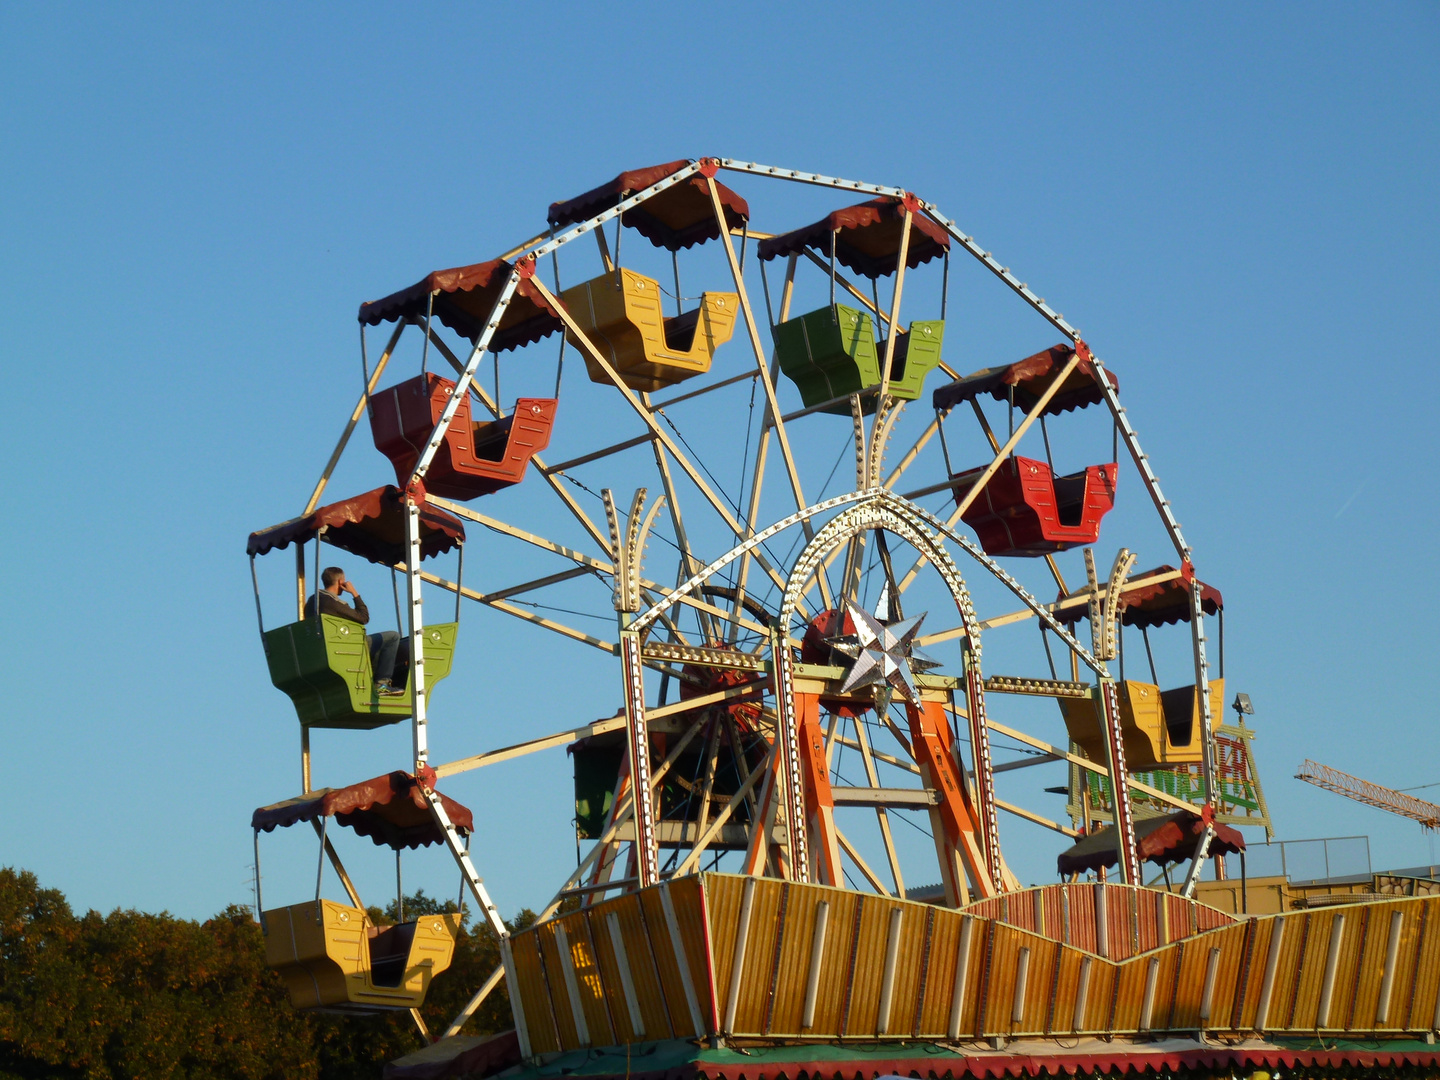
(1352, 787)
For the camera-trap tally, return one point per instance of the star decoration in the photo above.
(884, 654)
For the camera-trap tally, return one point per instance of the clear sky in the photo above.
(1235, 202)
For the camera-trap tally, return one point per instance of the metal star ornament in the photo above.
(884, 654)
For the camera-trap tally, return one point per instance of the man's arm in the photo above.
(333, 605)
(360, 613)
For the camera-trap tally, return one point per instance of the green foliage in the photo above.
(130, 995)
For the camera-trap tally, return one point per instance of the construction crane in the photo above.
(1352, 787)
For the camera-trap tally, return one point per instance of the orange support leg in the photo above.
(930, 735)
(819, 803)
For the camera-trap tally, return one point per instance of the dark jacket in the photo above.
(333, 605)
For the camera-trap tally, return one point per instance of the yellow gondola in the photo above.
(334, 957)
(1161, 728)
(620, 311)
(621, 314)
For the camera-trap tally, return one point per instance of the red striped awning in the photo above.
(1028, 380)
(678, 217)
(1160, 840)
(390, 809)
(867, 237)
(371, 526)
(463, 299)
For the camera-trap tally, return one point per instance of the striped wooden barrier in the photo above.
(760, 958)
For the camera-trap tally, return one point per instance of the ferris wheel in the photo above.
(799, 513)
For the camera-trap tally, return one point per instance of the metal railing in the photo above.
(1301, 861)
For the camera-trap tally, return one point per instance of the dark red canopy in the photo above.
(371, 525)
(867, 237)
(1160, 840)
(1157, 604)
(464, 298)
(1167, 601)
(389, 809)
(678, 217)
(1030, 378)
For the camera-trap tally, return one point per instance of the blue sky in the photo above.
(1236, 204)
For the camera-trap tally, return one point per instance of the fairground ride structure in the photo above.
(728, 905)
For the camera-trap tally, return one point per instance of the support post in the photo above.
(771, 403)
(890, 338)
(354, 419)
(638, 738)
(1109, 705)
(984, 767)
(787, 734)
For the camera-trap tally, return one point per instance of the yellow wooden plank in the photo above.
(1128, 993)
(1228, 972)
(722, 902)
(564, 1018)
(1306, 970)
(1039, 973)
(589, 979)
(759, 963)
(689, 897)
(909, 958)
(972, 1012)
(667, 968)
(638, 934)
(1067, 987)
(869, 965)
(1359, 972)
(1263, 934)
(534, 996)
(1000, 994)
(940, 979)
(835, 968)
(794, 959)
(608, 966)
(1421, 953)
(1177, 997)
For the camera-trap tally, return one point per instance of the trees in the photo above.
(132, 995)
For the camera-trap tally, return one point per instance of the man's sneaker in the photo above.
(384, 689)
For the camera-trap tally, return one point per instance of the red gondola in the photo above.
(475, 458)
(1025, 509)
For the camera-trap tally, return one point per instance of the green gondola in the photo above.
(328, 676)
(831, 353)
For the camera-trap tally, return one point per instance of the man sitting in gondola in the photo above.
(384, 647)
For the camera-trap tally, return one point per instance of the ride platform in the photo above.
(677, 1059)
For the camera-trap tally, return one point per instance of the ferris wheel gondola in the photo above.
(334, 957)
(323, 664)
(1024, 508)
(832, 352)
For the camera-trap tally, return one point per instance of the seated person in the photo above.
(384, 647)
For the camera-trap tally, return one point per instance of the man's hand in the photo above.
(346, 587)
